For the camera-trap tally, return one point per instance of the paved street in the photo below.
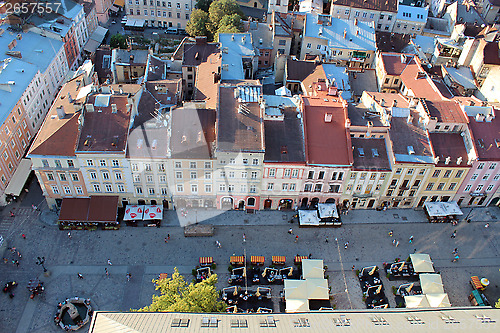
(143, 253)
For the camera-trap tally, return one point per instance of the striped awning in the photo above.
(298, 259)
(279, 259)
(257, 259)
(476, 283)
(237, 260)
(206, 260)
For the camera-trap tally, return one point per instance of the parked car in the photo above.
(172, 30)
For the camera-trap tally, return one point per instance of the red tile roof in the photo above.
(415, 79)
(327, 143)
(491, 54)
(484, 135)
(395, 63)
(382, 5)
(445, 111)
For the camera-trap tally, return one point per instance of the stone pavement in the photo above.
(143, 253)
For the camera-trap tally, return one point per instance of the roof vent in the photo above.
(361, 152)
(200, 137)
(89, 107)
(345, 33)
(243, 39)
(225, 67)
(447, 160)
(403, 58)
(328, 117)
(421, 75)
(436, 160)
(375, 152)
(284, 150)
(232, 37)
(410, 150)
(113, 108)
(184, 139)
(480, 117)
(459, 160)
(225, 49)
(382, 102)
(497, 142)
(394, 103)
(355, 21)
(261, 41)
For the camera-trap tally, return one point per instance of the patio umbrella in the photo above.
(313, 269)
(422, 263)
(317, 289)
(235, 292)
(438, 300)
(408, 289)
(373, 270)
(416, 301)
(431, 284)
(295, 289)
(402, 266)
(297, 305)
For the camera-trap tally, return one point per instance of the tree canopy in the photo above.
(220, 8)
(179, 296)
(229, 24)
(118, 41)
(203, 4)
(198, 23)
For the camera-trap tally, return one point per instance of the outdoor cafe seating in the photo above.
(400, 270)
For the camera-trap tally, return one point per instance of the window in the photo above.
(459, 174)
(138, 190)
(447, 174)
(389, 193)
(284, 187)
(270, 186)
(492, 166)
(307, 187)
(161, 167)
(479, 187)
(398, 171)
(474, 176)
(295, 173)
(440, 187)
(255, 161)
(120, 187)
(254, 175)
(93, 175)
(363, 176)
(193, 175)
(358, 188)
(480, 166)
(208, 175)
(310, 175)
(393, 183)
(232, 161)
(178, 6)
(222, 173)
(162, 178)
(55, 189)
(416, 183)
(245, 161)
(364, 14)
(105, 175)
(318, 47)
(108, 187)
(317, 187)
(178, 165)
(497, 176)
(102, 162)
(137, 178)
(253, 189)
(79, 190)
(282, 42)
(436, 173)
(149, 178)
(490, 187)
(208, 188)
(244, 174)
(178, 174)
(410, 171)
(90, 163)
(429, 187)
(243, 188)
(180, 188)
(467, 188)
(272, 172)
(292, 187)
(118, 176)
(231, 174)
(308, 45)
(135, 167)
(50, 176)
(452, 186)
(381, 16)
(74, 176)
(230, 188)
(97, 188)
(334, 188)
(321, 175)
(208, 165)
(115, 163)
(486, 176)
(70, 164)
(222, 187)
(421, 172)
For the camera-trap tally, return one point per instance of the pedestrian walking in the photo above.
(296, 238)
(23, 236)
(168, 237)
(352, 267)
(244, 238)
(456, 258)
(454, 234)
(290, 231)
(326, 240)
(487, 225)
(166, 240)
(390, 233)
(17, 263)
(310, 256)
(218, 244)
(411, 239)
(69, 234)
(106, 271)
(129, 276)
(455, 251)
(397, 243)
(80, 276)
(346, 244)
(19, 254)
(5, 260)
(393, 242)
(11, 214)
(109, 263)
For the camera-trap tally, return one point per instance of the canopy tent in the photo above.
(422, 263)
(308, 217)
(442, 209)
(283, 91)
(297, 305)
(153, 212)
(438, 300)
(416, 301)
(327, 210)
(317, 289)
(312, 269)
(295, 289)
(19, 178)
(431, 284)
(134, 213)
(96, 209)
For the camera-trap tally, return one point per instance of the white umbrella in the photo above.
(297, 305)
(422, 263)
(416, 301)
(431, 284)
(317, 289)
(312, 269)
(438, 300)
(295, 289)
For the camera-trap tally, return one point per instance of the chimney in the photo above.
(70, 98)
(459, 160)
(328, 117)
(89, 107)
(113, 108)
(436, 160)
(403, 58)
(345, 33)
(355, 21)
(420, 75)
(243, 39)
(382, 102)
(357, 32)
(394, 103)
(447, 160)
(60, 112)
(409, 120)
(131, 58)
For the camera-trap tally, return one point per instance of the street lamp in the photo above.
(467, 217)
(41, 262)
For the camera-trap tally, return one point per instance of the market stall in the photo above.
(153, 215)
(328, 214)
(308, 218)
(442, 211)
(133, 214)
(89, 213)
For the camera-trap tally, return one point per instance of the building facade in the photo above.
(161, 14)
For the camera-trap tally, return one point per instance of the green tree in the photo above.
(198, 22)
(118, 41)
(229, 24)
(219, 9)
(179, 296)
(203, 4)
